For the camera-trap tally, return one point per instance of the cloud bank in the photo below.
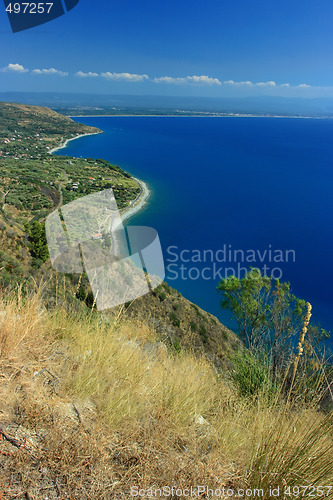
(202, 80)
(268, 84)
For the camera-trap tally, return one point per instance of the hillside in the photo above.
(34, 130)
(33, 183)
(95, 407)
(153, 394)
(40, 182)
(182, 325)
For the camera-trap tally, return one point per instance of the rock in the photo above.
(132, 344)
(201, 421)
(155, 349)
(78, 411)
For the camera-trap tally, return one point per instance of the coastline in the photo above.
(213, 115)
(62, 146)
(136, 205)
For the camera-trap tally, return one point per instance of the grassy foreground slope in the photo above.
(91, 406)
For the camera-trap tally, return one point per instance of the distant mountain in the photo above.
(115, 104)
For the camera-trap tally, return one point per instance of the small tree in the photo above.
(37, 241)
(269, 316)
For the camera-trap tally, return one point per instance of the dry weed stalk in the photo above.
(301, 343)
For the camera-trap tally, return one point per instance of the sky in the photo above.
(217, 48)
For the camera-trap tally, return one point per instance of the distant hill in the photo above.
(87, 104)
(36, 126)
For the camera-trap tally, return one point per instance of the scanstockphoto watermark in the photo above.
(195, 492)
(226, 261)
(203, 491)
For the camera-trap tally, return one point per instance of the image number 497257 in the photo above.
(24, 15)
(29, 8)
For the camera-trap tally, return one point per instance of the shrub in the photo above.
(252, 375)
(176, 346)
(203, 333)
(175, 320)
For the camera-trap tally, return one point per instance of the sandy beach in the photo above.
(136, 205)
(62, 146)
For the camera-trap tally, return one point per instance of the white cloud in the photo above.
(50, 71)
(16, 68)
(81, 74)
(266, 84)
(196, 80)
(130, 77)
(231, 82)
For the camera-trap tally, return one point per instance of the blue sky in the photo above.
(176, 47)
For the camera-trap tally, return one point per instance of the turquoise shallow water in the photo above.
(219, 184)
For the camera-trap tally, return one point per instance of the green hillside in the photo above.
(33, 182)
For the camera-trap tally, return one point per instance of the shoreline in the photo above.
(63, 145)
(135, 205)
(203, 116)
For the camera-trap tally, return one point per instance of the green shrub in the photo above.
(197, 311)
(203, 333)
(175, 320)
(252, 376)
(81, 293)
(176, 346)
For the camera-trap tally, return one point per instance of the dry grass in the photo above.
(100, 414)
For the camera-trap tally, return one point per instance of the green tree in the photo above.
(37, 241)
(269, 316)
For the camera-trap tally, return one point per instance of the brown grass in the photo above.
(96, 415)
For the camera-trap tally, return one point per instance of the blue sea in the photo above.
(231, 193)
